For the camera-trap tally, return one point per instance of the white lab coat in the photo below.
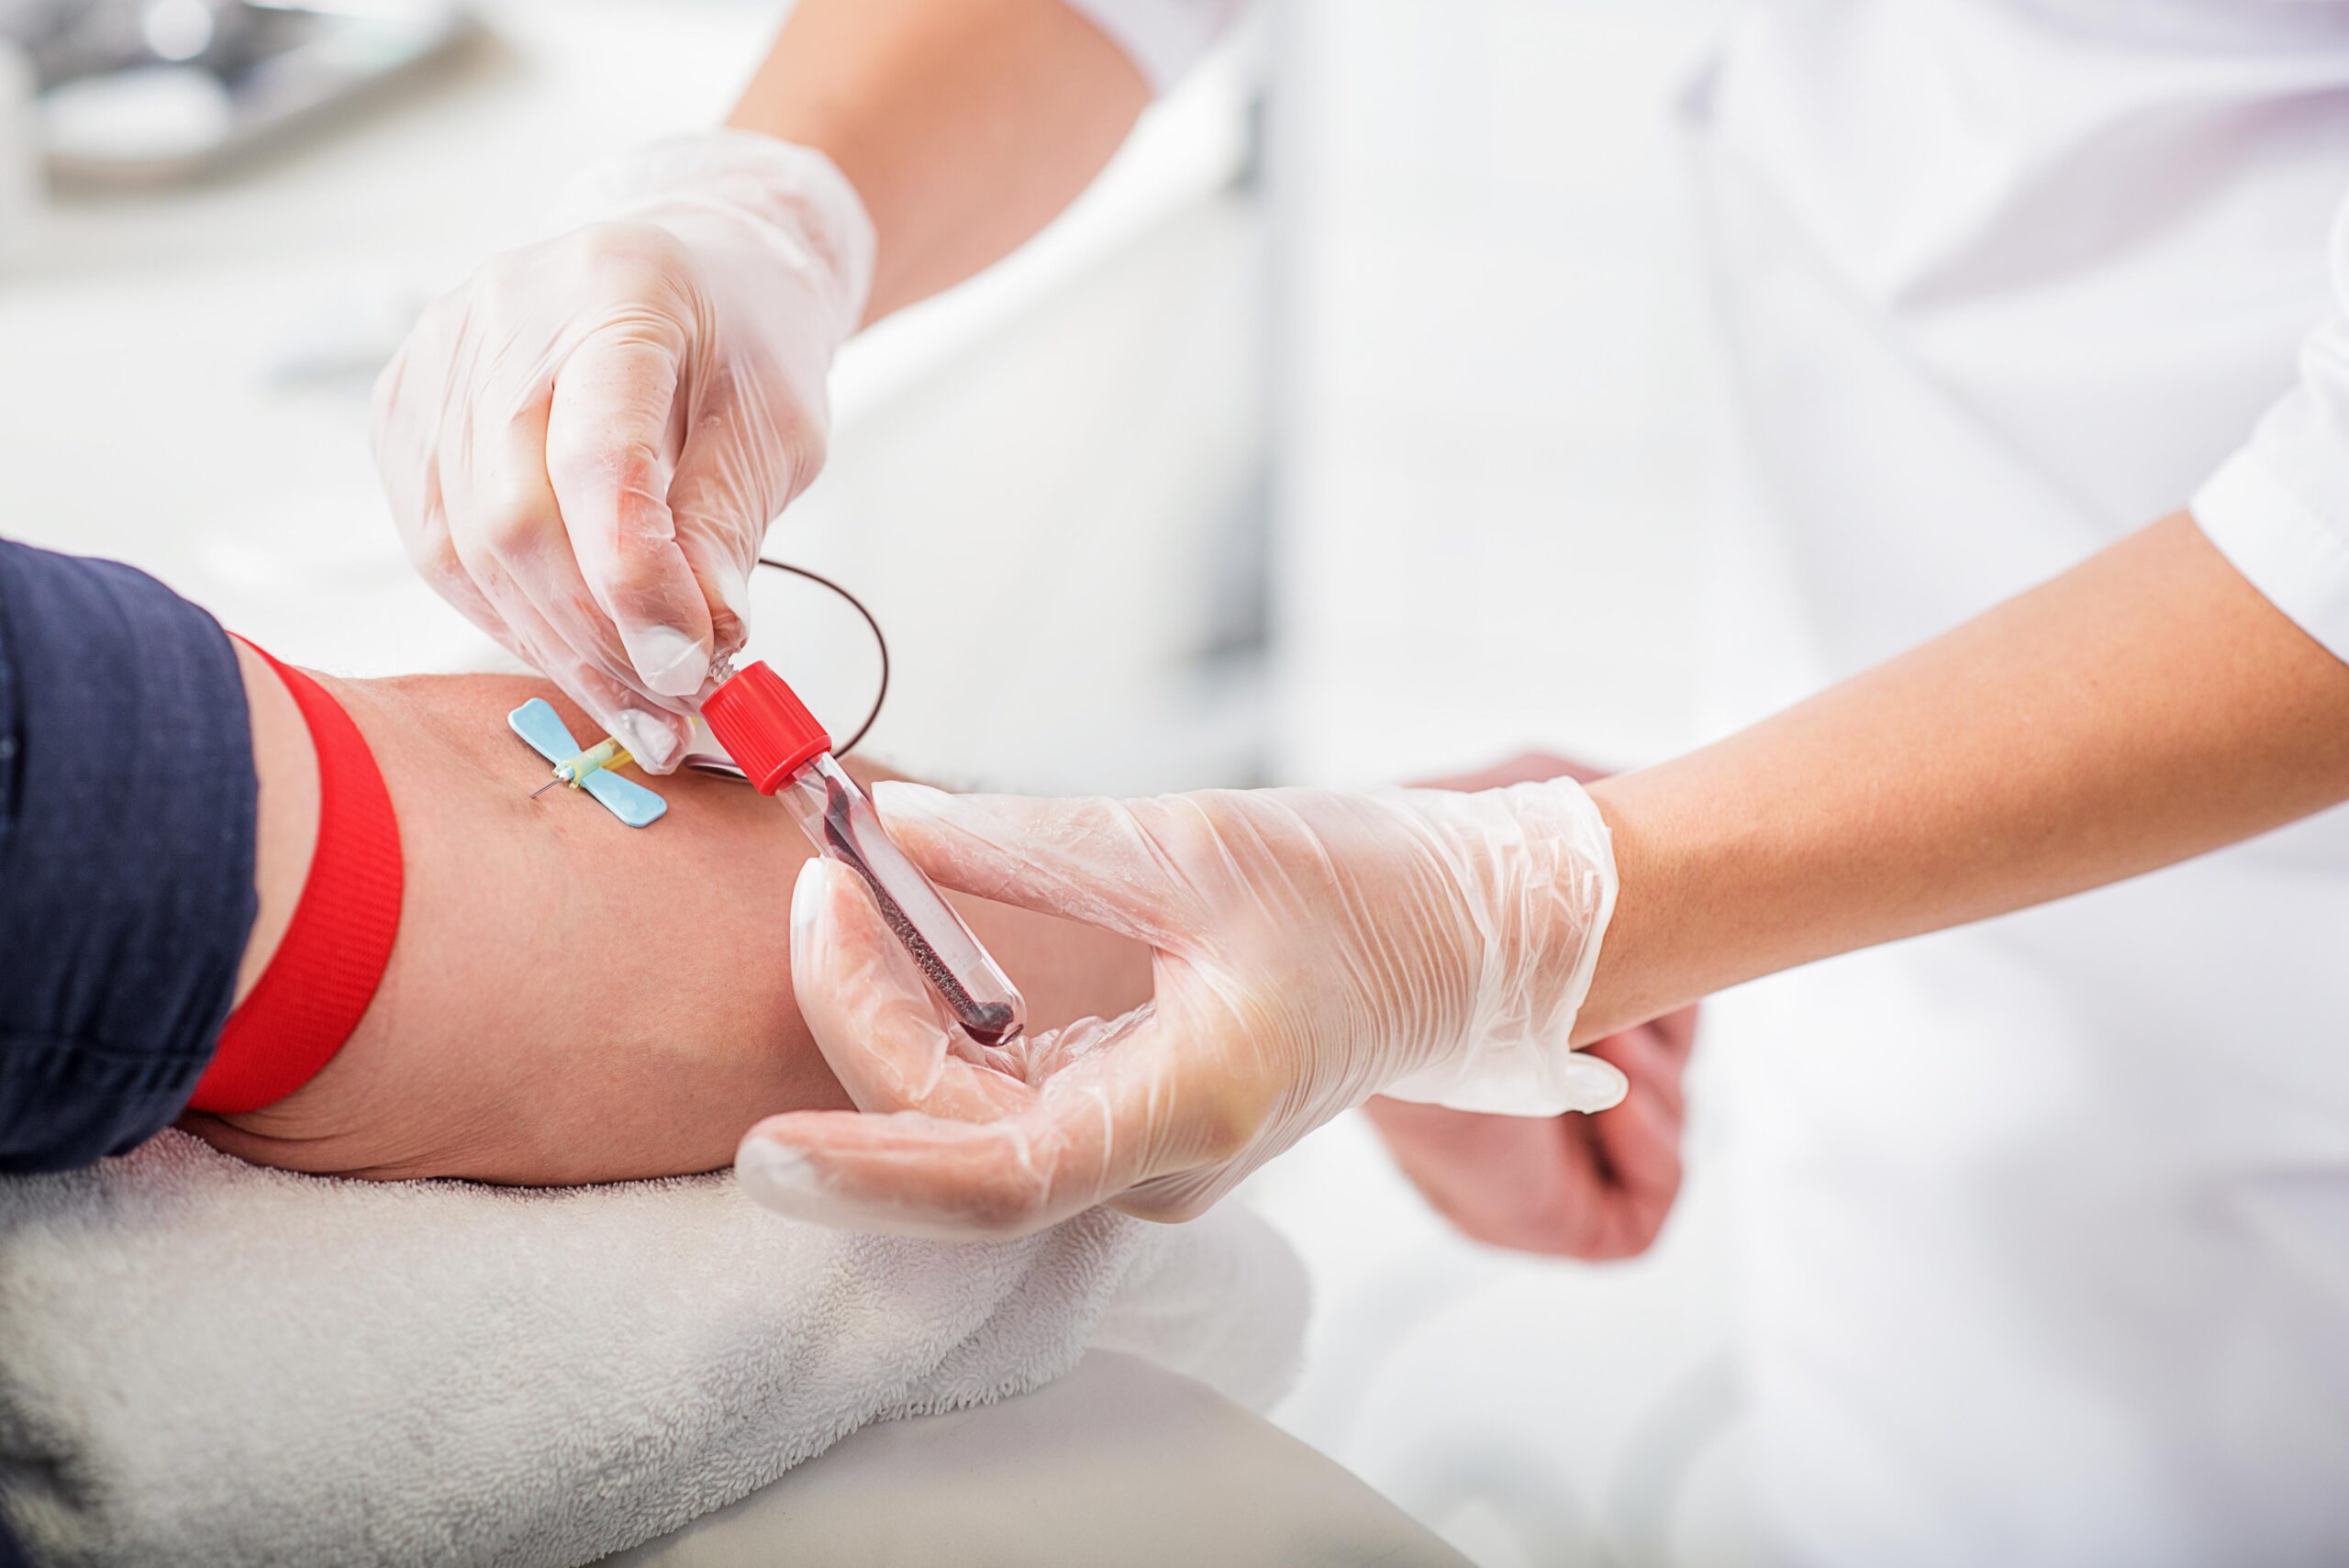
(2005, 282)
(2045, 1221)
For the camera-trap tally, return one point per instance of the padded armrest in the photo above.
(1118, 1462)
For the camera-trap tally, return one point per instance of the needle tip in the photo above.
(544, 787)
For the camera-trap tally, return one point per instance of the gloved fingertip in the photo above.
(903, 800)
(650, 741)
(929, 825)
(670, 663)
(773, 1174)
(1597, 1084)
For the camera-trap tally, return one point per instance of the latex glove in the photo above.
(1310, 949)
(583, 444)
(1595, 1188)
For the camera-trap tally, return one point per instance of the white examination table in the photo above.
(1120, 1464)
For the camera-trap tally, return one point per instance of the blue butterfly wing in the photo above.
(537, 722)
(625, 799)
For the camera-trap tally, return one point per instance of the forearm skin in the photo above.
(2144, 707)
(965, 125)
(568, 999)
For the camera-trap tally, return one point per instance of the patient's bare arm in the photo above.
(570, 1000)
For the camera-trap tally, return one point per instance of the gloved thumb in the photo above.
(882, 1029)
(1093, 860)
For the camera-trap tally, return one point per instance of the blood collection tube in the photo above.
(785, 753)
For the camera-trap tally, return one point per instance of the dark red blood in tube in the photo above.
(989, 1023)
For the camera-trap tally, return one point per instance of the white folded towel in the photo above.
(204, 1362)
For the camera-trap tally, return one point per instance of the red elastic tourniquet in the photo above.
(326, 969)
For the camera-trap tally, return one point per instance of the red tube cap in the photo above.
(763, 726)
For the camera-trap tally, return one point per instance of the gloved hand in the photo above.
(1310, 949)
(584, 445)
(1578, 1186)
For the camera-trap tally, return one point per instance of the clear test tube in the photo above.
(785, 753)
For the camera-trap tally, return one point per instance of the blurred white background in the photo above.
(1358, 426)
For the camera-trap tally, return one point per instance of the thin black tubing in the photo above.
(879, 642)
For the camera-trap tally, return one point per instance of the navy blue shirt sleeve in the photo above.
(127, 819)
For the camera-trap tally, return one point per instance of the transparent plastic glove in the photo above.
(583, 444)
(1311, 949)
